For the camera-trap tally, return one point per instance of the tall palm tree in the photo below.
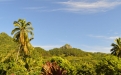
(22, 28)
(116, 50)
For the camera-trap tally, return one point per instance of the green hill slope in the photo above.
(6, 43)
(68, 50)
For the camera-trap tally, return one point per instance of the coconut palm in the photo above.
(22, 28)
(116, 50)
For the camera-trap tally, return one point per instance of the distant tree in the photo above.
(22, 28)
(116, 50)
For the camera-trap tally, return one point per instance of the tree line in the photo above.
(19, 57)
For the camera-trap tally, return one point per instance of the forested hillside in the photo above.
(81, 62)
(7, 45)
(6, 42)
(19, 57)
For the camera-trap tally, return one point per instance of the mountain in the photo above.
(66, 46)
(7, 44)
(67, 50)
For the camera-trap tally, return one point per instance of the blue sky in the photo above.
(91, 25)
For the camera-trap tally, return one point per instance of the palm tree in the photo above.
(116, 50)
(22, 28)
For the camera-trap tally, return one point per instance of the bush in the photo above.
(63, 63)
(109, 65)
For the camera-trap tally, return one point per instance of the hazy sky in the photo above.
(91, 25)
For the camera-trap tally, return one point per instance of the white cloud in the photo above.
(104, 37)
(97, 36)
(33, 8)
(113, 37)
(104, 49)
(39, 9)
(89, 6)
(48, 47)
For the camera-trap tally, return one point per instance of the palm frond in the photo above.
(29, 28)
(116, 50)
(113, 44)
(14, 30)
(16, 36)
(20, 20)
(118, 42)
(32, 35)
(21, 34)
(17, 24)
(24, 21)
(31, 38)
(28, 24)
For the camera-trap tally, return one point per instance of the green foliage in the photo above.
(85, 69)
(67, 51)
(7, 46)
(6, 43)
(109, 65)
(116, 50)
(21, 36)
(23, 66)
(63, 63)
(40, 51)
(73, 60)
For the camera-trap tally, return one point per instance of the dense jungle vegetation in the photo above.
(19, 57)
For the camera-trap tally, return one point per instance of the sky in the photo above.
(90, 25)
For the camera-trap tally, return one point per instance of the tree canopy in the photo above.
(22, 28)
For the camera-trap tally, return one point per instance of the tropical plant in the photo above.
(116, 50)
(22, 28)
(51, 68)
(64, 63)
